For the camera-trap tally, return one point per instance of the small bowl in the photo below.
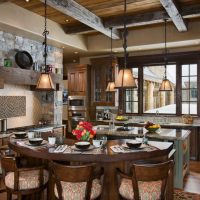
(20, 135)
(82, 145)
(133, 144)
(152, 130)
(35, 141)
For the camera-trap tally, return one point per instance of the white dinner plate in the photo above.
(91, 147)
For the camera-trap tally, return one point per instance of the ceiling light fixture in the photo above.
(45, 82)
(125, 77)
(111, 85)
(166, 84)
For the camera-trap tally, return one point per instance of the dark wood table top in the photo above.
(106, 155)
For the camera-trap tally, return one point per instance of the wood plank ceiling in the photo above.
(112, 10)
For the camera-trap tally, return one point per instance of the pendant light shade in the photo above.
(166, 84)
(125, 79)
(45, 82)
(111, 87)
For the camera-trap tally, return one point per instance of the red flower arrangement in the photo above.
(83, 131)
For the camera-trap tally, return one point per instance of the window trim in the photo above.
(176, 58)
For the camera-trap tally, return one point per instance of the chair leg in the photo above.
(9, 196)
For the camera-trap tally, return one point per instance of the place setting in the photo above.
(31, 140)
(132, 146)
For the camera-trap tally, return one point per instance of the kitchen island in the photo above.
(179, 137)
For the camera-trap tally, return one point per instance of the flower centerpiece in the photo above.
(83, 131)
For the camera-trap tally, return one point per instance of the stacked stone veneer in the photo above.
(39, 105)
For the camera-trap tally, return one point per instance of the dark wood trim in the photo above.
(140, 90)
(178, 89)
(160, 58)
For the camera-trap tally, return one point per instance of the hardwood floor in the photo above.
(191, 183)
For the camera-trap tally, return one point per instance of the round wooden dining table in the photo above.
(105, 158)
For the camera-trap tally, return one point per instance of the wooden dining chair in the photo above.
(76, 182)
(148, 181)
(23, 181)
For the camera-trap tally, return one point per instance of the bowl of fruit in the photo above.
(121, 118)
(151, 127)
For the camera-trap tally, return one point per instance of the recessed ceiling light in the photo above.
(67, 20)
(63, 47)
(27, 1)
(76, 52)
(74, 60)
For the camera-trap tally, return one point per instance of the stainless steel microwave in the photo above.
(77, 102)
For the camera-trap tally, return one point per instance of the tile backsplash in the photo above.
(12, 106)
(31, 110)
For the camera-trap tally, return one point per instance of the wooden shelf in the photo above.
(25, 77)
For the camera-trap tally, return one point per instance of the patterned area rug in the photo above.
(181, 195)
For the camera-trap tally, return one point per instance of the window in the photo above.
(184, 75)
(131, 100)
(154, 100)
(189, 88)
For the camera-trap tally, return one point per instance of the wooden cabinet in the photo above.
(101, 73)
(78, 79)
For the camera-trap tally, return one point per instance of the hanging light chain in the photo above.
(45, 33)
(165, 57)
(125, 33)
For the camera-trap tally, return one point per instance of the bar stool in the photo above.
(148, 181)
(23, 181)
(76, 182)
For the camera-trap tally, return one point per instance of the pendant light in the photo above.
(166, 84)
(125, 77)
(45, 82)
(111, 84)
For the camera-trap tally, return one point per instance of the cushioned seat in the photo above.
(146, 181)
(76, 191)
(27, 179)
(76, 182)
(147, 190)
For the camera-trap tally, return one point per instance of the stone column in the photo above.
(150, 100)
(162, 99)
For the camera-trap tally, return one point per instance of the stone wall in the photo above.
(39, 105)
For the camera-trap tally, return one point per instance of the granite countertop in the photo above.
(163, 133)
(171, 124)
(36, 127)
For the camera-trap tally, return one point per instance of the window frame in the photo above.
(152, 60)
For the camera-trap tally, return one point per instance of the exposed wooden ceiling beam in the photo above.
(136, 20)
(174, 14)
(78, 29)
(80, 13)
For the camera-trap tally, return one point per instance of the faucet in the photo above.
(157, 112)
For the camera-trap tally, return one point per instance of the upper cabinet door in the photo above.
(72, 82)
(101, 73)
(78, 80)
(81, 81)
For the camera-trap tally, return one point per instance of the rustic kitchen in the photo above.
(99, 99)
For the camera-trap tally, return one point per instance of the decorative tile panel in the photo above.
(12, 106)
